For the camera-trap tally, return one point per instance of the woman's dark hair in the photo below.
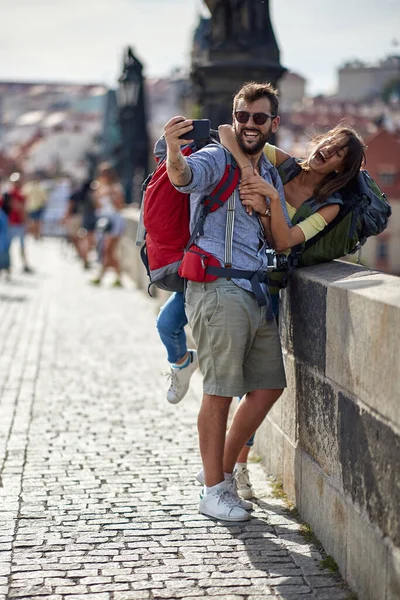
(352, 161)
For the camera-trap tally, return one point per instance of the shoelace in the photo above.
(225, 497)
(171, 376)
(232, 486)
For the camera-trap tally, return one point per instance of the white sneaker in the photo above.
(234, 491)
(243, 484)
(200, 477)
(180, 379)
(222, 505)
(231, 486)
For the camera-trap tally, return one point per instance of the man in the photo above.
(238, 348)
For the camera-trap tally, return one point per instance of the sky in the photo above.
(83, 40)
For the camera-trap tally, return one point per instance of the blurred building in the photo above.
(292, 90)
(50, 126)
(319, 114)
(167, 97)
(360, 81)
(383, 163)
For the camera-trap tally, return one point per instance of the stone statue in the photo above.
(240, 24)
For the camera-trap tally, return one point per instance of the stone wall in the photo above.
(334, 437)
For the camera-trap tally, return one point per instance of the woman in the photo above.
(333, 163)
(109, 201)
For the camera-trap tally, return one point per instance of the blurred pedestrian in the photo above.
(109, 201)
(36, 200)
(86, 234)
(72, 219)
(17, 217)
(5, 239)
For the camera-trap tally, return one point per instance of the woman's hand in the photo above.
(253, 192)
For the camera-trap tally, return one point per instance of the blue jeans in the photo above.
(170, 324)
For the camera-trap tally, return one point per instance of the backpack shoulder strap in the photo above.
(223, 190)
(270, 153)
(289, 169)
(312, 206)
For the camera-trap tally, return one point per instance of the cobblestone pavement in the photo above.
(98, 498)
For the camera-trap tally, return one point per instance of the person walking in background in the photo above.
(36, 200)
(4, 236)
(86, 234)
(109, 201)
(17, 217)
(73, 217)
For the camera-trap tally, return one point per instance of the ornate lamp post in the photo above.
(132, 120)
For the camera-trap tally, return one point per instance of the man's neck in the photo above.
(254, 158)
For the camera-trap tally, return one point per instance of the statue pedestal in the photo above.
(235, 46)
(218, 80)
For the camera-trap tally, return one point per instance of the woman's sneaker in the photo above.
(243, 484)
(222, 505)
(231, 485)
(180, 379)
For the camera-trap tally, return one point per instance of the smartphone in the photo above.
(201, 130)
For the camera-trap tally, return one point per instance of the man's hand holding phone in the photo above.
(173, 130)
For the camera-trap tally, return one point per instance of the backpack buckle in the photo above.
(228, 266)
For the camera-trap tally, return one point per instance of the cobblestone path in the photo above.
(98, 498)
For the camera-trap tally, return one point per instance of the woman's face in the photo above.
(328, 155)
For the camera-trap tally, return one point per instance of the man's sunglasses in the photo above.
(242, 116)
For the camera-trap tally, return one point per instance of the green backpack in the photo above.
(364, 211)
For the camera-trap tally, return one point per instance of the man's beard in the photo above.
(254, 149)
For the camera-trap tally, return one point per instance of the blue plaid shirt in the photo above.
(249, 243)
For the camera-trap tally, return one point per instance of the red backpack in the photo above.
(166, 217)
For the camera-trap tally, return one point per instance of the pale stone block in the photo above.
(366, 570)
(291, 471)
(363, 324)
(323, 507)
(269, 445)
(288, 401)
(393, 582)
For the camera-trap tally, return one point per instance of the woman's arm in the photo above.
(253, 192)
(315, 223)
(259, 195)
(281, 156)
(228, 139)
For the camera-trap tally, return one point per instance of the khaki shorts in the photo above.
(238, 349)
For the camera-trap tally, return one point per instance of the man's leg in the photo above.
(211, 424)
(249, 415)
(218, 498)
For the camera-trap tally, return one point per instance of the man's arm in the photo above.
(178, 170)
